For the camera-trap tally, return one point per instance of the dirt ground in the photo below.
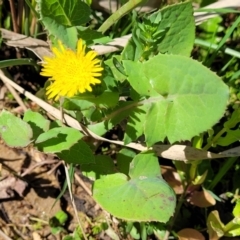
(29, 185)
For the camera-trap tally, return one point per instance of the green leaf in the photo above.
(61, 17)
(57, 222)
(67, 35)
(171, 30)
(124, 158)
(38, 123)
(236, 210)
(14, 131)
(185, 98)
(134, 127)
(67, 13)
(79, 153)
(215, 225)
(88, 100)
(91, 36)
(234, 120)
(179, 21)
(103, 166)
(117, 75)
(143, 197)
(231, 137)
(61, 217)
(234, 231)
(58, 139)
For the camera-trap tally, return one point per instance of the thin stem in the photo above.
(178, 208)
(14, 16)
(73, 201)
(127, 7)
(214, 140)
(20, 13)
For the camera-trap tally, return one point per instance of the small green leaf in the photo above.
(38, 123)
(79, 153)
(57, 222)
(235, 119)
(117, 75)
(103, 166)
(231, 137)
(61, 216)
(236, 210)
(215, 225)
(143, 197)
(234, 231)
(14, 131)
(58, 139)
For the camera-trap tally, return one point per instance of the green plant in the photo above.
(155, 91)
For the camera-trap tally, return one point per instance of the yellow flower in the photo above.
(71, 72)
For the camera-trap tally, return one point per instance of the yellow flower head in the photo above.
(71, 72)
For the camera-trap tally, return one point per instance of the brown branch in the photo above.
(14, 16)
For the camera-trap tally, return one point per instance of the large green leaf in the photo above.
(67, 35)
(185, 97)
(61, 18)
(65, 12)
(143, 197)
(14, 131)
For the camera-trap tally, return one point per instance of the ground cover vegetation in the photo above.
(122, 117)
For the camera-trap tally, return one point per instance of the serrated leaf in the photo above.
(38, 123)
(171, 30)
(103, 166)
(185, 97)
(14, 131)
(179, 21)
(58, 139)
(79, 153)
(143, 197)
(67, 13)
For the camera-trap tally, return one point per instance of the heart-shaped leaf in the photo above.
(145, 196)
